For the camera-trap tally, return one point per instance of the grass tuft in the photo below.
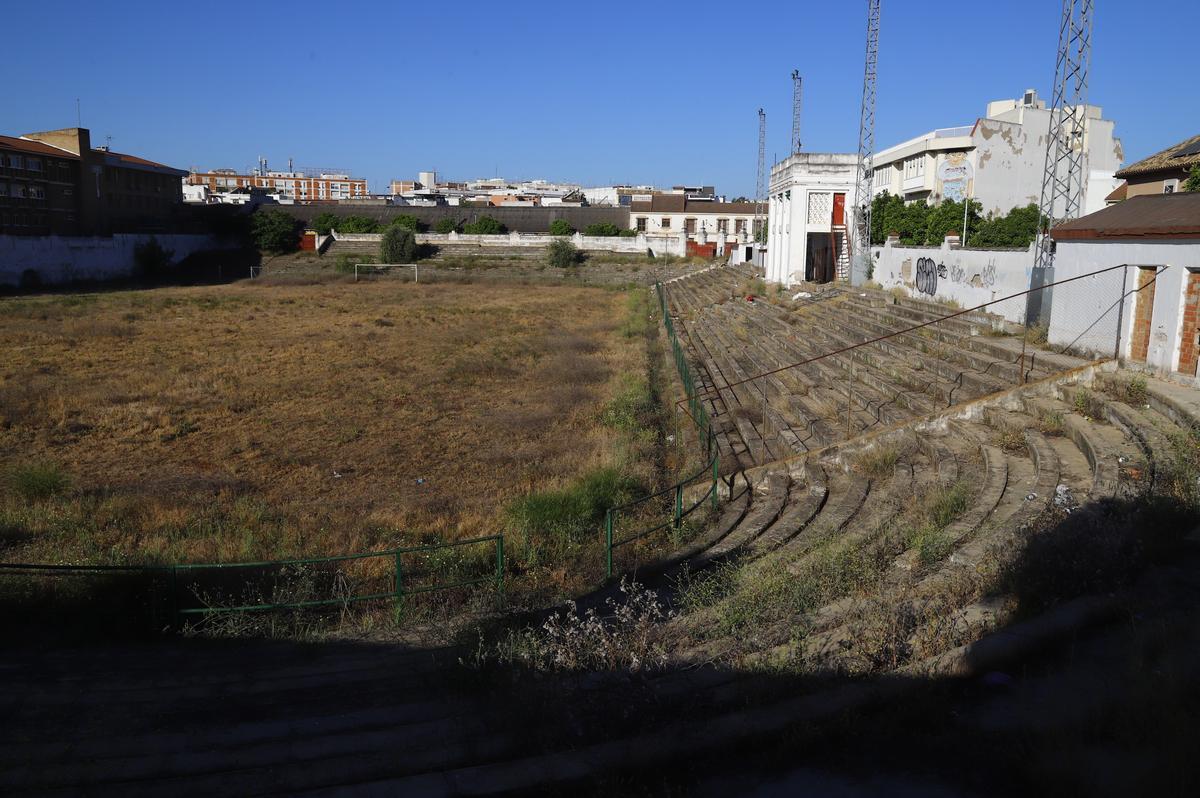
(38, 481)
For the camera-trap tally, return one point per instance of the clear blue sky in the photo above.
(660, 92)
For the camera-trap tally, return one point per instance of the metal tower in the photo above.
(796, 83)
(866, 150)
(1063, 183)
(760, 191)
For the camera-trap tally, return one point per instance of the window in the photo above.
(914, 166)
(1171, 186)
(641, 224)
(33, 165)
(666, 223)
(37, 192)
(16, 162)
(3, 189)
(690, 225)
(68, 192)
(722, 225)
(739, 225)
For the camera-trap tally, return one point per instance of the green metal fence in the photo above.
(171, 595)
(708, 473)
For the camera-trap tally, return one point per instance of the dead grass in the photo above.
(279, 419)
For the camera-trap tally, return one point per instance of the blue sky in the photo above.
(661, 92)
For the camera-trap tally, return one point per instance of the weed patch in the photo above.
(38, 481)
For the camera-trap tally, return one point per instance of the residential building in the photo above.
(1161, 173)
(706, 222)
(809, 213)
(998, 160)
(57, 183)
(300, 186)
(1145, 305)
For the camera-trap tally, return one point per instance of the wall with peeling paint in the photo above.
(969, 277)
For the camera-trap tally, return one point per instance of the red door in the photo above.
(839, 209)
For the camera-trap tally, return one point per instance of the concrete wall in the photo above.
(522, 220)
(969, 277)
(658, 244)
(1085, 313)
(59, 260)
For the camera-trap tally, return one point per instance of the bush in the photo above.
(572, 513)
(357, 224)
(563, 254)
(38, 481)
(561, 227)
(274, 230)
(445, 226)
(399, 245)
(485, 226)
(629, 233)
(151, 259)
(408, 221)
(602, 229)
(324, 222)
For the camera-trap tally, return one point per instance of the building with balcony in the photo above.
(295, 186)
(998, 160)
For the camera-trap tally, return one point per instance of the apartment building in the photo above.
(997, 160)
(705, 222)
(55, 183)
(297, 186)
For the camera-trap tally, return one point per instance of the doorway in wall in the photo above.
(819, 263)
(1143, 313)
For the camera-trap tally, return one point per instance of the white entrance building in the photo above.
(811, 209)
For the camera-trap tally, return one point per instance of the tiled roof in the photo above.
(1147, 216)
(1119, 193)
(26, 145)
(1183, 155)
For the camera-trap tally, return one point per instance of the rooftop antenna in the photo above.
(108, 142)
(1063, 186)
(760, 188)
(866, 149)
(796, 84)
(289, 164)
(78, 114)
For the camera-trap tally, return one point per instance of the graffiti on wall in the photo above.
(955, 174)
(927, 276)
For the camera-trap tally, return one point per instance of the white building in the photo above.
(718, 226)
(998, 160)
(810, 209)
(1144, 307)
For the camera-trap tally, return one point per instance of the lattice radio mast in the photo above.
(866, 148)
(796, 84)
(760, 190)
(1063, 185)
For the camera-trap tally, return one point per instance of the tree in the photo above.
(485, 226)
(324, 222)
(445, 225)
(357, 224)
(274, 230)
(561, 227)
(1193, 180)
(602, 229)
(409, 221)
(399, 245)
(151, 259)
(1017, 228)
(563, 254)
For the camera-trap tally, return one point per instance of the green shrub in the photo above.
(408, 221)
(150, 258)
(575, 512)
(628, 233)
(357, 224)
(601, 229)
(561, 227)
(445, 226)
(274, 230)
(398, 245)
(563, 254)
(484, 226)
(324, 222)
(37, 481)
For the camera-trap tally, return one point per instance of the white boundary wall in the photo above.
(658, 244)
(969, 277)
(64, 259)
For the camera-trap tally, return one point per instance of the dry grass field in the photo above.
(265, 421)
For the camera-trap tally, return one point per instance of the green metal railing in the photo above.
(176, 591)
(706, 473)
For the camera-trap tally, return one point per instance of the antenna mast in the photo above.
(761, 187)
(796, 84)
(1063, 187)
(866, 150)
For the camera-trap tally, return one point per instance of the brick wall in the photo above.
(1143, 314)
(1189, 347)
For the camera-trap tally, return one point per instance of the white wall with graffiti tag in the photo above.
(969, 277)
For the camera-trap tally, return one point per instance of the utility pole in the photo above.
(797, 81)
(760, 192)
(1062, 180)
(866, 148)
